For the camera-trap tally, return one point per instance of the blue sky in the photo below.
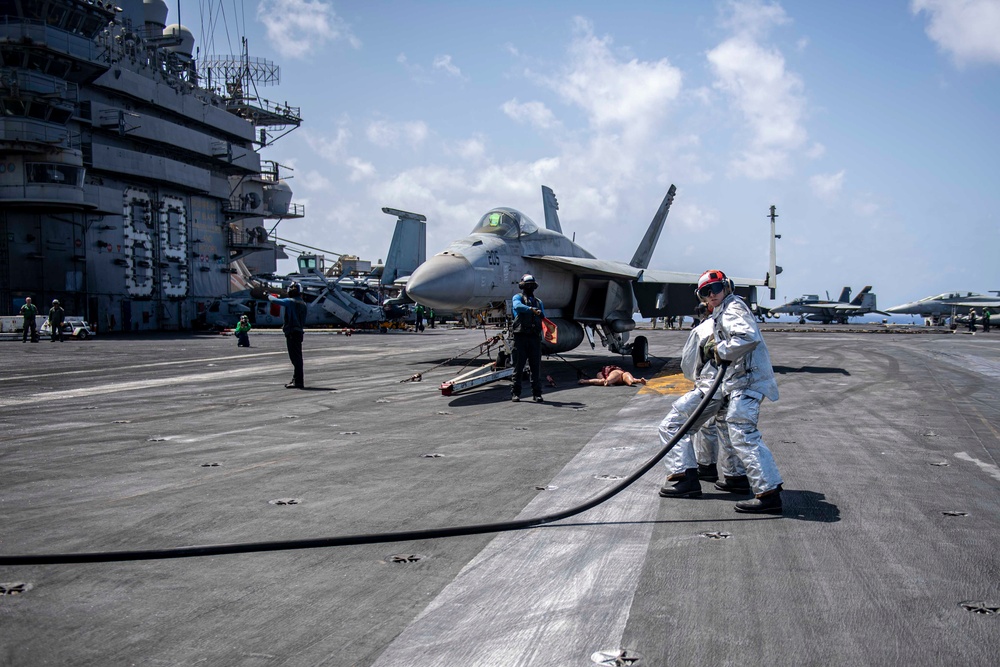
(874, 127)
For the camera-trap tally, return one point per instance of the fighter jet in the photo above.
(339, 300)
(810, 307)
(583, 295)
(947, 305)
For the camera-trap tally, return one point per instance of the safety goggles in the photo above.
(709, 290)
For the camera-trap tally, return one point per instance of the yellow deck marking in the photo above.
(674, 383)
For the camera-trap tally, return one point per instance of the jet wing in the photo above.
(976, 304)
(586, 266)
(678, 278)
(658, 293)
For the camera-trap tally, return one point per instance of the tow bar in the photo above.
(491, 372)
(475, 378)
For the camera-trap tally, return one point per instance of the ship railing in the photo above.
(253, 237)
(31, 30)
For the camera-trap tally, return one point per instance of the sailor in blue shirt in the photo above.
(295, 311)
(528, 315)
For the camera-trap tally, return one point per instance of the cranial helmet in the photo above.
(527, 279)
(294, 289)
(712, 277)
(55, 302)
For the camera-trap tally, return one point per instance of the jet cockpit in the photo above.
(507, 223)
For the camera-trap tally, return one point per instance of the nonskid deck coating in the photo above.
(865, 567)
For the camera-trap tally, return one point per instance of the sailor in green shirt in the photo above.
(28, 311)
(242, 329)
(56, 317)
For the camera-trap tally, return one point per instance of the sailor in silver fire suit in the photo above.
(749, 379)
(681, 461)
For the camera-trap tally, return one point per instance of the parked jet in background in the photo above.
(353, 295)
(582, 294)
(946, 305)
(810, 307)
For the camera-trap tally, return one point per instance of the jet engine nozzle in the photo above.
(443, 282)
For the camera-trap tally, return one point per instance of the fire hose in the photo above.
(374, 538)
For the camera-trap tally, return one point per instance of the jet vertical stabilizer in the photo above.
(644, 253)
(408, 248)
(845, 295)
(551, 207)
(860, 300)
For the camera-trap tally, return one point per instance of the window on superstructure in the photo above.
(54, 173)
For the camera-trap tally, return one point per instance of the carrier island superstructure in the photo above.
(131, 185)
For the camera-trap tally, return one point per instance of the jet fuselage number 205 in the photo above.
(493, 257)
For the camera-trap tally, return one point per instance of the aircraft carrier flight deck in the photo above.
(886, 552)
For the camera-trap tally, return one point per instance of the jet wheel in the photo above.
(640, 352)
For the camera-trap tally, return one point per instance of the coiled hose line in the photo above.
(374, 538)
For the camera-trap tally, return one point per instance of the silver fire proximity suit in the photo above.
(749, 379)
(707, 429)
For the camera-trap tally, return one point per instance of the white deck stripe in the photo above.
(551, 595)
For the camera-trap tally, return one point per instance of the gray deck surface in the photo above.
(164, 441)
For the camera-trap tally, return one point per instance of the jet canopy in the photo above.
(507, 223)
(950, 295)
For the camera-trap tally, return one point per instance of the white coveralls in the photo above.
(713, 433)
(749, 379)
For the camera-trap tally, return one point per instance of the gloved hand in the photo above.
(709, 351)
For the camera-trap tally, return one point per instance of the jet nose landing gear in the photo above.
(640, 352)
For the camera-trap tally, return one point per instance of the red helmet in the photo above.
(712, 276)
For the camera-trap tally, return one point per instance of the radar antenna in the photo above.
(236, 80)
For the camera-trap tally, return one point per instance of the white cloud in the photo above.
(827, 186)
(816, 151)
(693, 217)
(335, 151)
(297, 28)
(387, 134)
(967, 29)
(360, 169)
(331, 149)
(753, 18)
(313, 181)
(471, 149)
(444, 63)
(534, 113)
(768, 97)
(865, 207)
(634, 96)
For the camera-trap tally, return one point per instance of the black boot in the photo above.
(684, 487)
(734, 484)
(765, 503)
(708, 473)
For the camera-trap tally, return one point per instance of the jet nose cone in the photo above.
(899, 310)
(444, 282)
